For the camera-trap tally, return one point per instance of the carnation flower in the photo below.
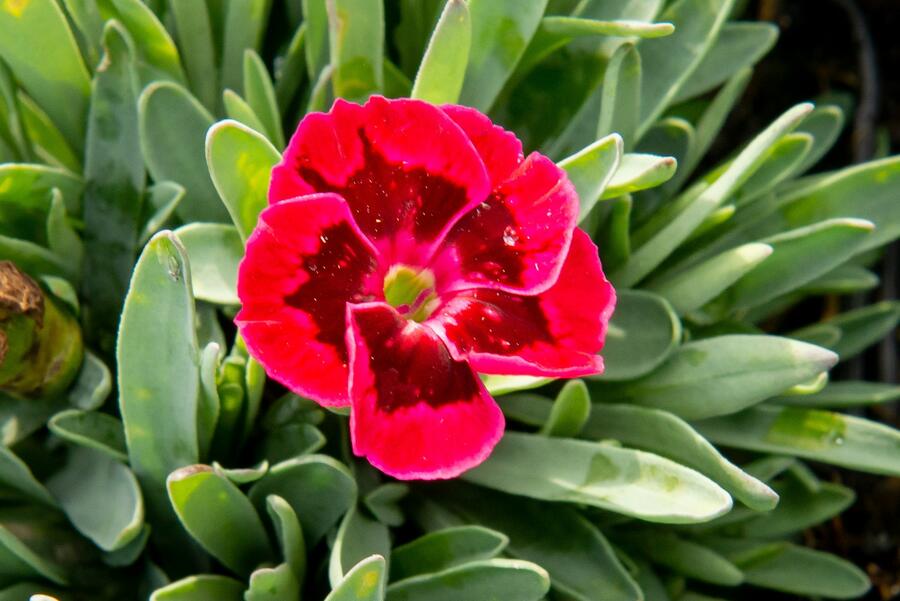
(406, 249)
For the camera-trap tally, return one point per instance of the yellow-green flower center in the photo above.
(410, 290)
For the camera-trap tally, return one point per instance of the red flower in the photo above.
(407, 247)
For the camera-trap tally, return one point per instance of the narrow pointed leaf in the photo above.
(694, 287)
(722, 375)
(260, 93)
(592, 168)
(356, 36)
(173, 126)
(575, 471)
(501, 30)
(240, 161)
(56, 76)
(738, 45)
(570, 411)
(244, 24)
(290, 535)
(620, 108)
(440, 76)
(442, 549)
(845, 394)
(357, 538)
(195, 37)
(824, 436)
(486, 580)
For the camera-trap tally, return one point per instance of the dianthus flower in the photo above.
(407, 248)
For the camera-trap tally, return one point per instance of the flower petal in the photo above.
(305, 260)
(518, 238)
(405, 168)
(500, 150)
(417, 412)
(556, 333)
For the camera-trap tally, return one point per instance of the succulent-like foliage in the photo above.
(170, 469)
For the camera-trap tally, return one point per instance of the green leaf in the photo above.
(162, 198)
(290, 535)
(238, 109)
(581, 563)
(356, 35)
(615, 232)
(114, 170)
(781, 163)
(685, 557)
(214, 251)
(620, 107)
(666, 434)
(824, 124)
(500, 385)
(204, 587)
(290, 71)
(722, 375)
(570, 411)
(245, 23)
(692, 288)
(219, 517)
(638, 172)
(357, 538)
(173, 126)
(260, 95)
(25, 192)
(91, 429)
(62, 238)
(365, 582)
(242, 475)
(274, 584)
(486, 580)
(866, 191)
(195, 37)
(799, 509)
(290, 441)
(47, 140)
(501, 30)
(591, 170)
(101, 498)
(19, 561)
(642, 333)
(382, 503)
(625, 481)
(863, 327)
(318, 488)
(824, 436)
(738, 45)
(443, 68)
(842, 395)
(443, 549)
(56, 76)
(670, 228)
(315, 16)
(92, 385)
(240, 162)
(793, 569)
(845, 279)
(15, 474)
(668, 63)
(158, 399)
(33, 259)
(156, 53)
(798, 257)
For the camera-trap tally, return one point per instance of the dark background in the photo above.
(848, 51)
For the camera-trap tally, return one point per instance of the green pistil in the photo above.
(405, 285)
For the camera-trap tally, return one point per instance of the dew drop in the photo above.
(510, 237)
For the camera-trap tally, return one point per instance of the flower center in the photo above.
(411, 291)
